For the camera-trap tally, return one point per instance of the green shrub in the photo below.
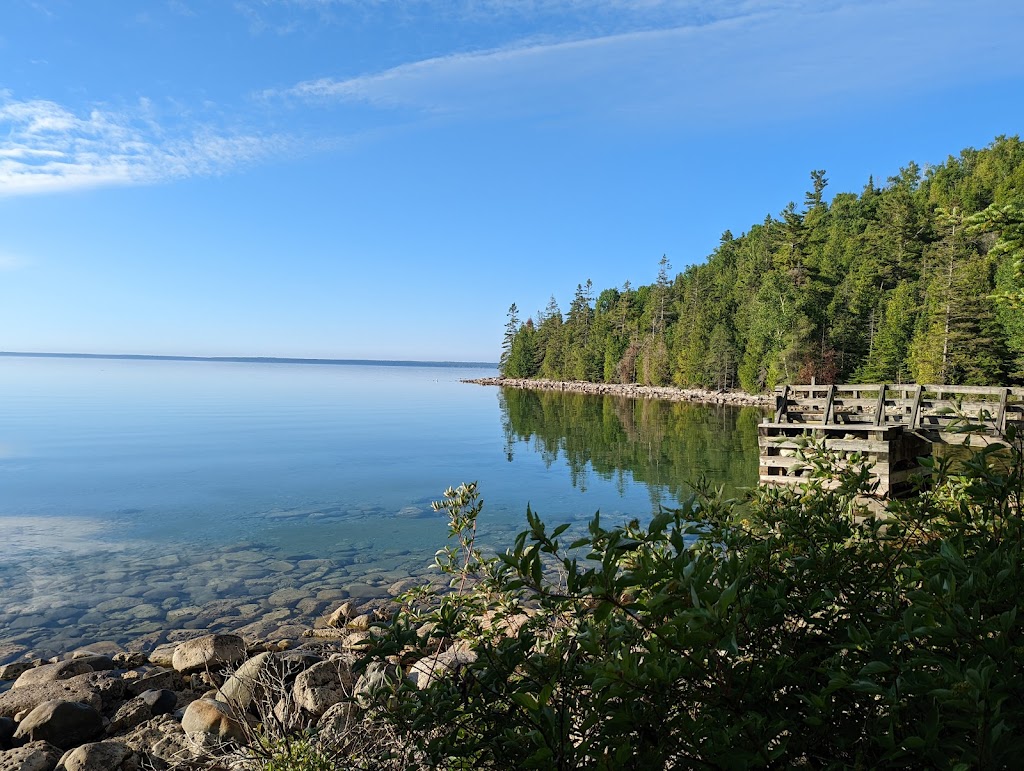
(793, 628)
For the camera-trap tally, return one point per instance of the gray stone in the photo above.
(15, 669)
(7, 728)
(377, 677)
(323, 685)
(99, 756)
(360, 623)
(212, 651)
(131, 714)
(214, 719)
(102, 648)
(160, 701)
(247, 682)
(62, 670)
(286, 597)
(36, 756)
(341, 615)
(263, 673)
(64, 724)
(81, 689)
(337, 722)
(156, 679)
(403, 585)
(161, 737)
(100, 662)
(117, 603)
(367, 591)
(437, 665)
(163, 655)
(129, 660)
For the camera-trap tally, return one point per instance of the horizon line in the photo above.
(248, 359)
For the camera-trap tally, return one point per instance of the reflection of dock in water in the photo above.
(889, 426)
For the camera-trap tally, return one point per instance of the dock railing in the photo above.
(889, 425)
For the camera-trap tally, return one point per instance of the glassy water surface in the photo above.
(142, 498)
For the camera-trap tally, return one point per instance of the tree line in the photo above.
(917, 280)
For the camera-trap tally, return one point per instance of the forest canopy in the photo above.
(917, 280)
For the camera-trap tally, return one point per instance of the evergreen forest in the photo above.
(917, 280)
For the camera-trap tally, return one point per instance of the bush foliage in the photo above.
(793, 628)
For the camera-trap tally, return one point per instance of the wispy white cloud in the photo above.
(752, 59)
(10, 261)
(46, 147)
(524, 16)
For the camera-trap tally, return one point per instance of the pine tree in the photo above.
(511, 330)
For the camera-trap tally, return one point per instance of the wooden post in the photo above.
(916, 408)
(1001, 414)
(782, 405)
(880, 410)
(827, 414)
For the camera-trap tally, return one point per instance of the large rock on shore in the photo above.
(87, 689)
(206, 719)
(100, 756)
(263, 673)
(323, 685)
(212, 651)
(64, 724)
(443, 664)
(63, 670)
(35, 756)
(161, 737)
(138, 710)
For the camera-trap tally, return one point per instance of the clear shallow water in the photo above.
(138, 497)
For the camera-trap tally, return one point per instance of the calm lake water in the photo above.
(143, 499)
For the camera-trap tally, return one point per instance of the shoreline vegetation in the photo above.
(632, 391)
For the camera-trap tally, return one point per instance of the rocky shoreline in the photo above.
(633, 391)
(183, 704)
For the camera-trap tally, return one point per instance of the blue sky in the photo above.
(374, 179)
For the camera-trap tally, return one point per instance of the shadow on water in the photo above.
(664, 445)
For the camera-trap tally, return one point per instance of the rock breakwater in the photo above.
(633, 391)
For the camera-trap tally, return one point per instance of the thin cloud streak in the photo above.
(46, 147)
(10, 262)
(776, 61)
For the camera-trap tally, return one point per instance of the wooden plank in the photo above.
(880, 407)
(890, 432)
(859, 387)
(781, 461)
(877, 468)
(948, 389)
(936, 436)
(839, 445)
(844, 401)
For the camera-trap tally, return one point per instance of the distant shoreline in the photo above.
(249, 359)
(632, 390)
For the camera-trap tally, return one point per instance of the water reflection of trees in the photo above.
(665, 445)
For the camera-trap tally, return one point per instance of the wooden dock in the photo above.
(890, 426)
